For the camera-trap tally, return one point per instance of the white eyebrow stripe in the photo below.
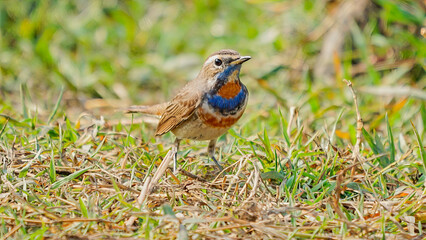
(210, 59)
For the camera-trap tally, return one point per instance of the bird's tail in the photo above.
(157, 109)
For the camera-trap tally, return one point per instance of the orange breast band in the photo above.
(229, 90)
(219, 122)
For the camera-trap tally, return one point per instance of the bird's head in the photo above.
(222, 67)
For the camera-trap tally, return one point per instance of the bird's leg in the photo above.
(175, 152)
(211, 148)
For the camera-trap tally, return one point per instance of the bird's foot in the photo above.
(217, 164)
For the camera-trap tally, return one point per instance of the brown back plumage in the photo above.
(179, 109)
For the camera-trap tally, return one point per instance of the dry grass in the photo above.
(300, 163)
(92, 190)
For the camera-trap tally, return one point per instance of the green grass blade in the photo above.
(55, 109)
(39, 234)
(274, 175)
(117, 190)
(14, 121)
(298, 137)
(168, 210)
(4, 127)
(421, 148)
(25, 169)
(284, 129)
(70, 134)
(83, 208)
(391, 140)
(423, 114)
(68, 178)
(267, 144)
(333, 132)
(98, 148)
(381, 147)
(23, 102)
(376, 149)
(309, 154)
(52, 170)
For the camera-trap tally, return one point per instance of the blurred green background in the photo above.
(134, 52)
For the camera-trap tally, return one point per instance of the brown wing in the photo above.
(179, 109)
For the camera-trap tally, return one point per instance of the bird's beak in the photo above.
(241, 60)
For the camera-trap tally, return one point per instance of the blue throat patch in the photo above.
(223, 76)
(227, 105)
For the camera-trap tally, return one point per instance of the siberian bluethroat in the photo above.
(206, 107)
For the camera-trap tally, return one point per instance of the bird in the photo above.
(206, 107)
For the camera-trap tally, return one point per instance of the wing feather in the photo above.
(179, 109)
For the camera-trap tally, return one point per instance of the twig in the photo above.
(140, 201)
(359, 123)
(227, 168)
(335, 198)
(420, 237)
(335, 202)
(124, 160)
(162, 168)
(170, 171)
(293, 115)
(247, 182)
(15, 229)
(81, 220)
(121, 186)
(255, 184)
(227, 227)
(193, 176)
(234, 178)
(150, 184)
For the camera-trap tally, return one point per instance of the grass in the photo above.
(73, 167)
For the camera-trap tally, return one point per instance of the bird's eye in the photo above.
(218, 62)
